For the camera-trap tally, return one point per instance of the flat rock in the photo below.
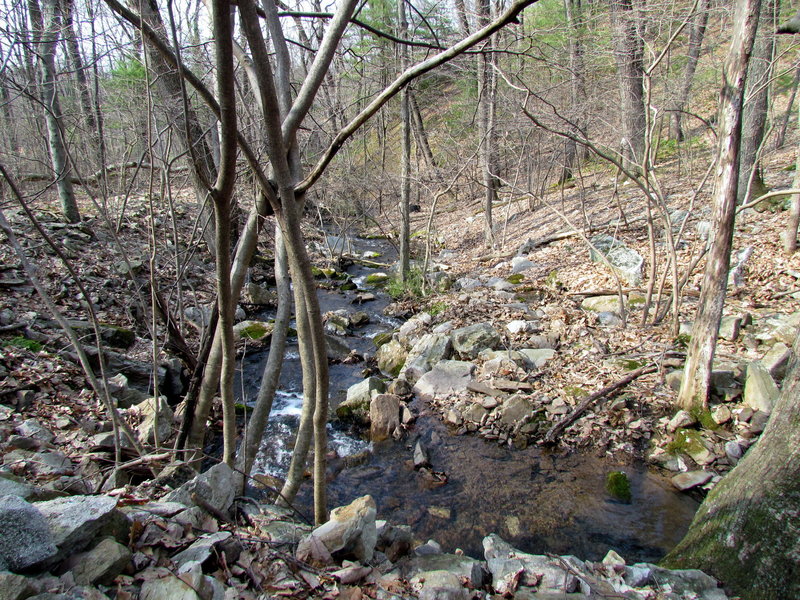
(25, 537)
(515, 409)
(505, 562)
(32, 428)
(11, 485)
(75, 521)
(440, 585)
(215, 486)
(202, 549)
(691, 479)
(760, 390)
(446, 378)
(101, 564)
(601, 304)
(538, 356)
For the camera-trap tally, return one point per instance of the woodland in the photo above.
(606, 194)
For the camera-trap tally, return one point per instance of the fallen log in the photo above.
(559, 427)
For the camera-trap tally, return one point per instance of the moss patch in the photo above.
(686, 441)
(22, 342)
(619, 486)
(255, 331)
(516, 278)
(704, 418)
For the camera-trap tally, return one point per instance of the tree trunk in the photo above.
(405, 170)
(577, 90)
(629, 54)
(754, 120)
(696, 34)
(747, 531)
(700, 357)
(486, 124)
(45, 28)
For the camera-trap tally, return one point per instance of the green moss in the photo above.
(630, 364)
(636, 300)
(376, 279)
(411, 287)
(436, 308)
(575, 391)
(682, 340)
(382, 338)
(619, 486)
(703, 417)
(22, 342)
(348, 286)
(552, 280)
(256, 331)
(516, 278)
(686, 441)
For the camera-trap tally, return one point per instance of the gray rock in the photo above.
(760, 391)
(721, 414)
(681, 419)
(515, 409)
(413, 329)
(626, 262)
(11, 485)
(429, 548)
(101, 564)
(729, 328)
(470, 569)
(692, 479)
(77, 520)
(466, 284)
(392, 357)
(146, 431)
(734, 451)
(421, 456)
(469, 341)
(427, 352)
(351, 531)
(609, 319)
(384, 417)
(16, 587)
(124, 395)
(736, 273)
(25, 537)
(202, 549)
(168, 587)
(336, 349)
(253, 293)
(520, 264)
(521, 326)
(32, 428)
(49, 464)
(776, 360)
(539, 357)
(673, 379)
(505, 562)
(445, 328)
(684, 580)
(337, 323)
(257, 331)
(600, 304)
(440, 585)
(359, 396)
(446, 378)
(215, 486)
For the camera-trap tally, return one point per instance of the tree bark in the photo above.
(405, 152)
(629, 54)
(756, 105)
(696, 34)
(45, 30)
(747, 531)
(700, 357)
(577, 90)
(486, 124)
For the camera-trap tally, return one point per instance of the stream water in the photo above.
(536, 500)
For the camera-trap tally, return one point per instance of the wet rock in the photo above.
(150, 425)
(359, 396)
(100, 565)
(32, 428)
(681, 419)
(692, 479)
(75, 521)
(440, 585)
(421, 456)
(776, 360)
(257, 331)
(215, 486)
(25, 537)
(426, 353)
(16, 587)
(384, 417)
(351, 531)
(545, 573)
(539, 357)
(469, 341)
(760, 391)
(337, 322)
(446, 378)
(336, 349)
(359, 319)
(392, 357)
(600, 304)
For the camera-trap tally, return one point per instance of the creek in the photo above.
(539, 501)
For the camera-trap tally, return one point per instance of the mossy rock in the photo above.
(348, 286)
(253, 330)
(376, 279)
(516, 278)
(704, 417)
(618, 486)
(22, 342)
(686, 441)
(118, 337)
(382, 338)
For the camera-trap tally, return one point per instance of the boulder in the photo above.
(146, 431)
(257, 331)
(470, 340)
(25, 537)
(440, 585)
(538, 356)
(202, 549)
(337, 322)
(446, 378)
(413, 329)
(521, 326)
(505, 563)
(101, 564)
(515, 409)
(10, 485)
(627, 263)
(760, 391)
(427, 352)
(169, 587)
(252, 293)
(31, 428)
(691, 479)
(729, 328)
(337, 350)
(392, 357)
(77, 520)
(215, 486)
(16, 587)
(356, 405)
(124, 395)
(466, 568)
(776, 360)
(350, 532)
(520, 264)
(466, 284)
(49, 464)
(681, 419)
(601, 304)
(384, 417)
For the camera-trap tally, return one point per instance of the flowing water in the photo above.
(536, 500)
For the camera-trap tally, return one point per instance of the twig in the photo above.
(559, 427)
